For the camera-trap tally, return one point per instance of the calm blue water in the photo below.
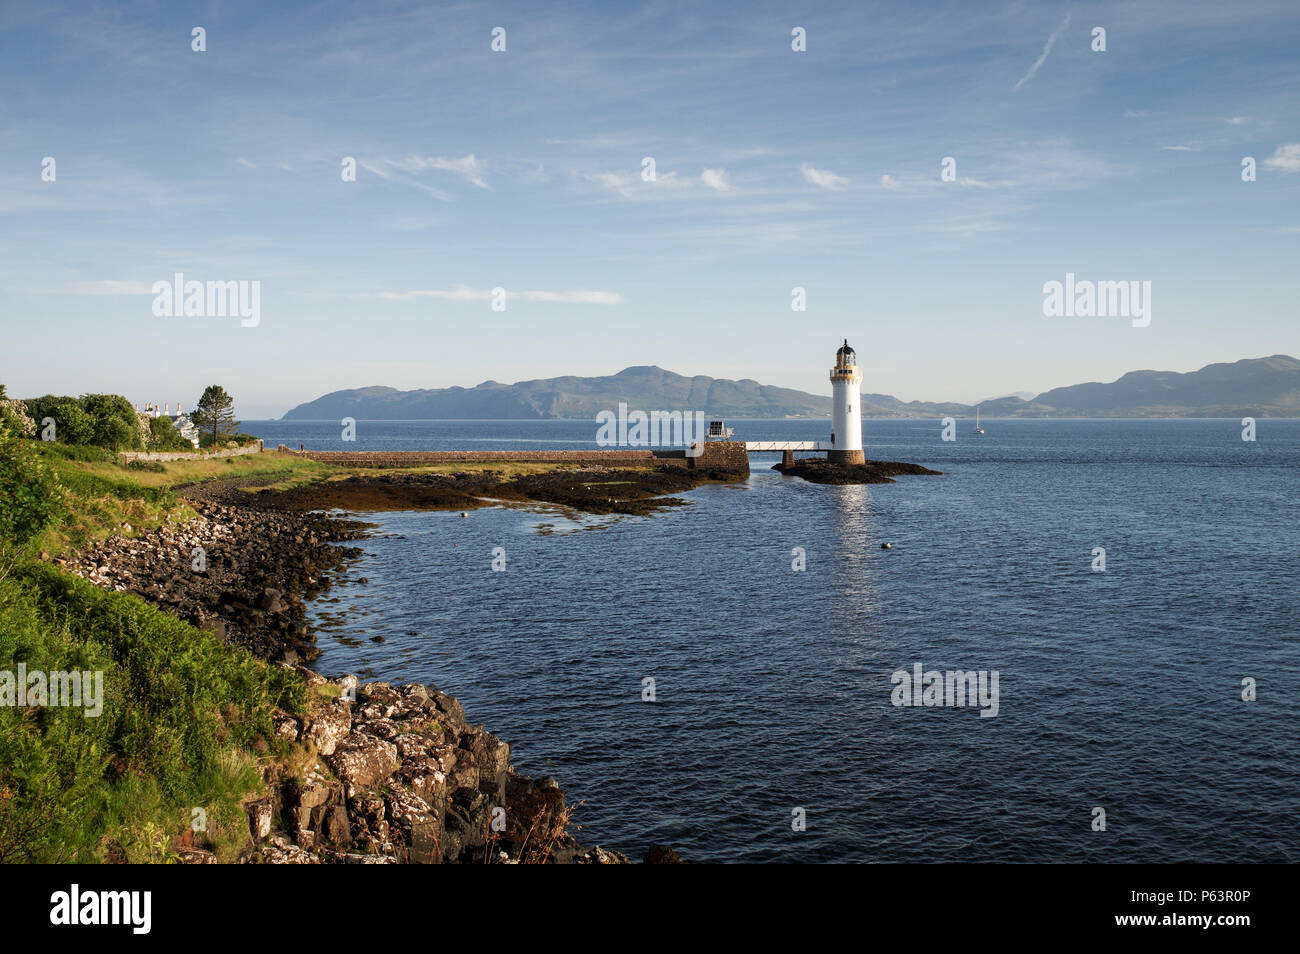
(1118, 689)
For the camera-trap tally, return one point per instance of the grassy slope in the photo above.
(186, 719)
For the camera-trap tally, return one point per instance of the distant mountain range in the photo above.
(1258, 387)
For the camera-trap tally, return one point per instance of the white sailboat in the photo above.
(978, 429)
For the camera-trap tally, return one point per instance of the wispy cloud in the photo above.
(1181, 148)
(622, 184)
(629, 185)
(889, 182)
(466, 293)
(716, 179)
(822, 177)
(250, 164)
(1042, 57)
(378, 169)
(1286, 158)
(468, 167)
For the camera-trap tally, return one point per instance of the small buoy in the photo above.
(464, 514)
(886, 546)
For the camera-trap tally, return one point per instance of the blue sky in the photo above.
(522, 170)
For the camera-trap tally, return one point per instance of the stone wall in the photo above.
(604, 458)
(721, 455)
(254, 448)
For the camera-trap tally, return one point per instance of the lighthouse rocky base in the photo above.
(846, 457)
(819, 470)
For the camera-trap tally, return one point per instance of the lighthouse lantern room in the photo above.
(846, 409)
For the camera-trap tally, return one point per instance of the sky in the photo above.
(524, 169)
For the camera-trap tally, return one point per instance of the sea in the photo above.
(725, 677)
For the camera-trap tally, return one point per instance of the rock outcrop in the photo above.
(396, 775)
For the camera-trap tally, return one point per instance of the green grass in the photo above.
(186, 721)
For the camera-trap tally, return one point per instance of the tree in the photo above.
(163, 435)
(115, 423)
(215, 415)
(104, 420)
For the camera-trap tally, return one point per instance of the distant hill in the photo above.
(646, 388)
(1263, 387)
(1260, 387)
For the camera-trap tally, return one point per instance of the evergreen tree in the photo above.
(215, 415)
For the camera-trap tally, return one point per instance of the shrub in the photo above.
(86, 453)
(163, 436)
(68, 425)
(104, 420)
(153, 466)
(115, 423)
(72, 425)
(15, 418)
(29, 495)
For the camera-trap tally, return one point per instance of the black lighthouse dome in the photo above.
(845, 356)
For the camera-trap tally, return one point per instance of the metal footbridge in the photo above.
(769, 447)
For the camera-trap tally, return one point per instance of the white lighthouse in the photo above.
(846, 409)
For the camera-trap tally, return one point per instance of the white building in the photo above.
(846, 409)
(180, 421)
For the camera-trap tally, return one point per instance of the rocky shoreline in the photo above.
(384, 774)
(818, 470)
(400, 777)
(242, 574)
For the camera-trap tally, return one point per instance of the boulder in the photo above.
(465, 774)
(451, 707)
(195, 856)
(337, 830)
(413, 745)
(417, 826)
(282, 851)
(330, 724)
(261, 814)
(426, 780)
(363, 762)
(445, 757)
(492, 758)
(286, 726)
(309, 801)
(662, 855)
(602, 856)
(379, 728)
